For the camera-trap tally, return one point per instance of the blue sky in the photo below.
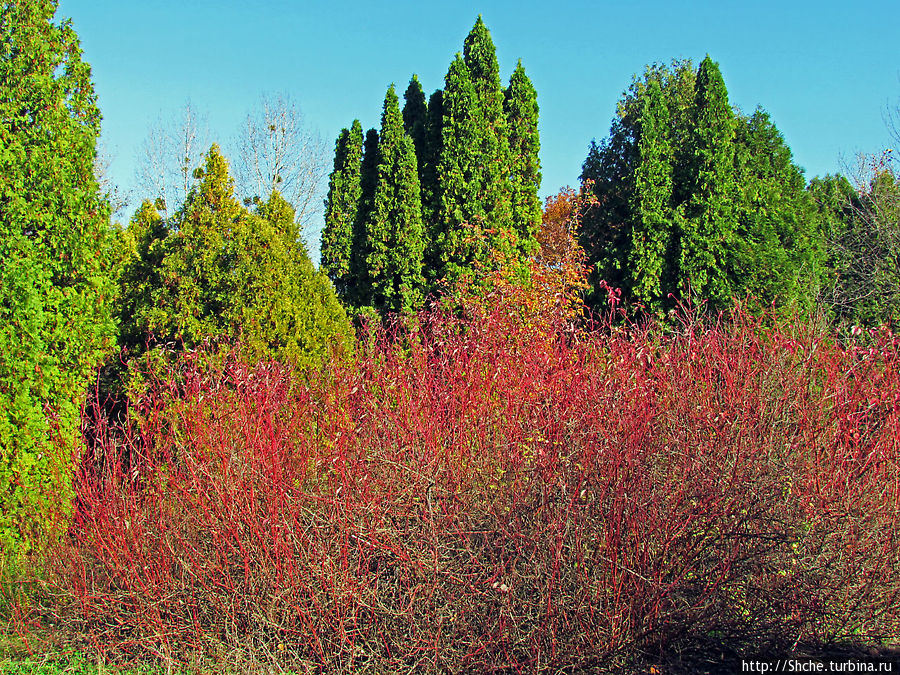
(825, 71)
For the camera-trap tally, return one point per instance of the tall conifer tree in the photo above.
(521, 108)
(341, 207)
(360, 285)
(415, 117)
(55, 287)
(461, 218)
(651, 241)
(707, 233)
(395, 240)
(494, 189)
(428, 181)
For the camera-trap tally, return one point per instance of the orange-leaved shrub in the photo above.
(471, 496)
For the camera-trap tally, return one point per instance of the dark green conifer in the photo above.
(521, 109)
(341, 208)
(428, 180)
(493, 188)
(360, 289)
(461, 218)
(395, 240)
(651, 239)
(415, 117)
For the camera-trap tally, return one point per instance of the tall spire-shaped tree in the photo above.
(521, 108)
(480, 57)
(55, 323)
(341, 207)
(415, 116)
(708, 232)
(395, 240)
(651, 240)
(360, 288)
(461, 217)
(428, 180)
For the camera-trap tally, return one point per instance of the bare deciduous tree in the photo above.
(275, 150)
(169, 155)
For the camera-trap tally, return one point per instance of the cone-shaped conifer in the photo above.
(360, 290)
(521, 108)
(341, 207)
(395, 240)
(415, 115)
(651, 241)
(707, 234)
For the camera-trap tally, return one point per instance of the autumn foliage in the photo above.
(471, 494)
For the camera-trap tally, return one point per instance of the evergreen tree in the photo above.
(226, 271)
(341, 207)
(461, 219)
(428, 181)
(55, 323)
(708, 231)
(395, 240)
(415, 117)
(778, 250)
(651, 252)
(360, 289)
(521, 109)
(690, 195)
(494, 189)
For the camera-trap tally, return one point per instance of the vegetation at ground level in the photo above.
(657, 422)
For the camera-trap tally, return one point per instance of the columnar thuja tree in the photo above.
(691, 198)
(521, 109)
(341, 207)
(651, 253)
(415, 117)
(395, 241)
(55, 323)
(708, 232)
(476, 150)
(457, 241)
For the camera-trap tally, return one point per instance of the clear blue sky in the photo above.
(826, 71)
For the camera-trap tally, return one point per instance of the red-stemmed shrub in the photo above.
(480, 494)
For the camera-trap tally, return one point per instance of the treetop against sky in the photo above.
(823, 71)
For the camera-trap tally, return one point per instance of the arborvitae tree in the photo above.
(716, 196)
(521, 109)
(227, 271)
(360, 291)
(428, 181)
(341, 208)
(494, 189)
(778, 249)
(461, 218)
(415, 117)
(395, 241)
(55, 288)
(708, 230)
(651, 255)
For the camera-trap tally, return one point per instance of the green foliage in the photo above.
(691, 198)
(651, 255)
(341, 207)
(394, 233)
(862, 227)
(478, 174)
(521, 109)
(55, 325)
(707, 232)
(223, 270)
(415, 117)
